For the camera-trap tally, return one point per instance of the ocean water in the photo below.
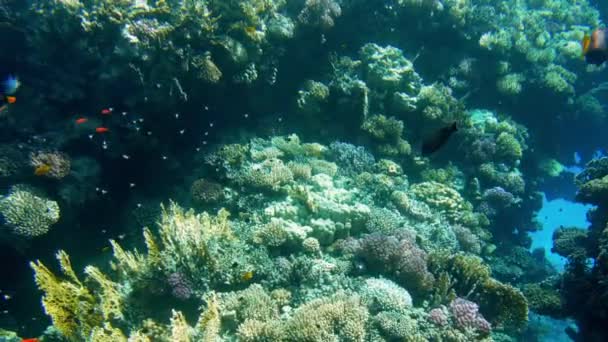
(303, 170)
(554, 214)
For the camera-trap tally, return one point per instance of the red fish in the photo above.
(81, 120)
(30, 340)
(106, 111)
(102, 129)
(11, 99)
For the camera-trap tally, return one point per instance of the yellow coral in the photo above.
(110, 299)
(70, 304)
(209, 322)
(180, 330)
(107, 333)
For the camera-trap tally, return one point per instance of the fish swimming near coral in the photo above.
(436, 140)
(42, 170)
(595, 46)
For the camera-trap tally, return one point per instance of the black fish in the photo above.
(434, 142)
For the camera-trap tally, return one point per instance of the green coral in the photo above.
(508, 148)
(543, 299)
(443, 198)
(271, 174)
(28, 214)
(386, 68)
(571, 242)
(388, 132)
(312, 97)
(503, 304)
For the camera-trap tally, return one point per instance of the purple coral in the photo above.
(439, 316)
(353, 159)
(495, 200)
(466, 314)
(398, 256)
(482, 150)
(180, 286)
(378, 249)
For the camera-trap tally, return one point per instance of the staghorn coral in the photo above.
(28, 214)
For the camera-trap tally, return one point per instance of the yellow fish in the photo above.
(42, 170)
(585, 44)
(247, 276)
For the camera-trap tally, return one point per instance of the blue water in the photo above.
(556, 213)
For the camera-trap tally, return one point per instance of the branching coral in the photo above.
(28, 214)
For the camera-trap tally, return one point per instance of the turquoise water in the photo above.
(556, 213)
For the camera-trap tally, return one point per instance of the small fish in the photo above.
(30, 340)
(10, 85)
(250, 30)
(436, 140)
(80, 121)
(595, 46)
(106, 111)
(246, 276)
(105, 249)
(2, 108)
(102, 129)
(42, 170)
(11, 99)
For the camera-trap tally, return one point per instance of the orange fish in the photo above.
(585, 44)
(42, 169)
(81, 120)
(595, 46)
(30, 340)
(102, 129)
(11, 99)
